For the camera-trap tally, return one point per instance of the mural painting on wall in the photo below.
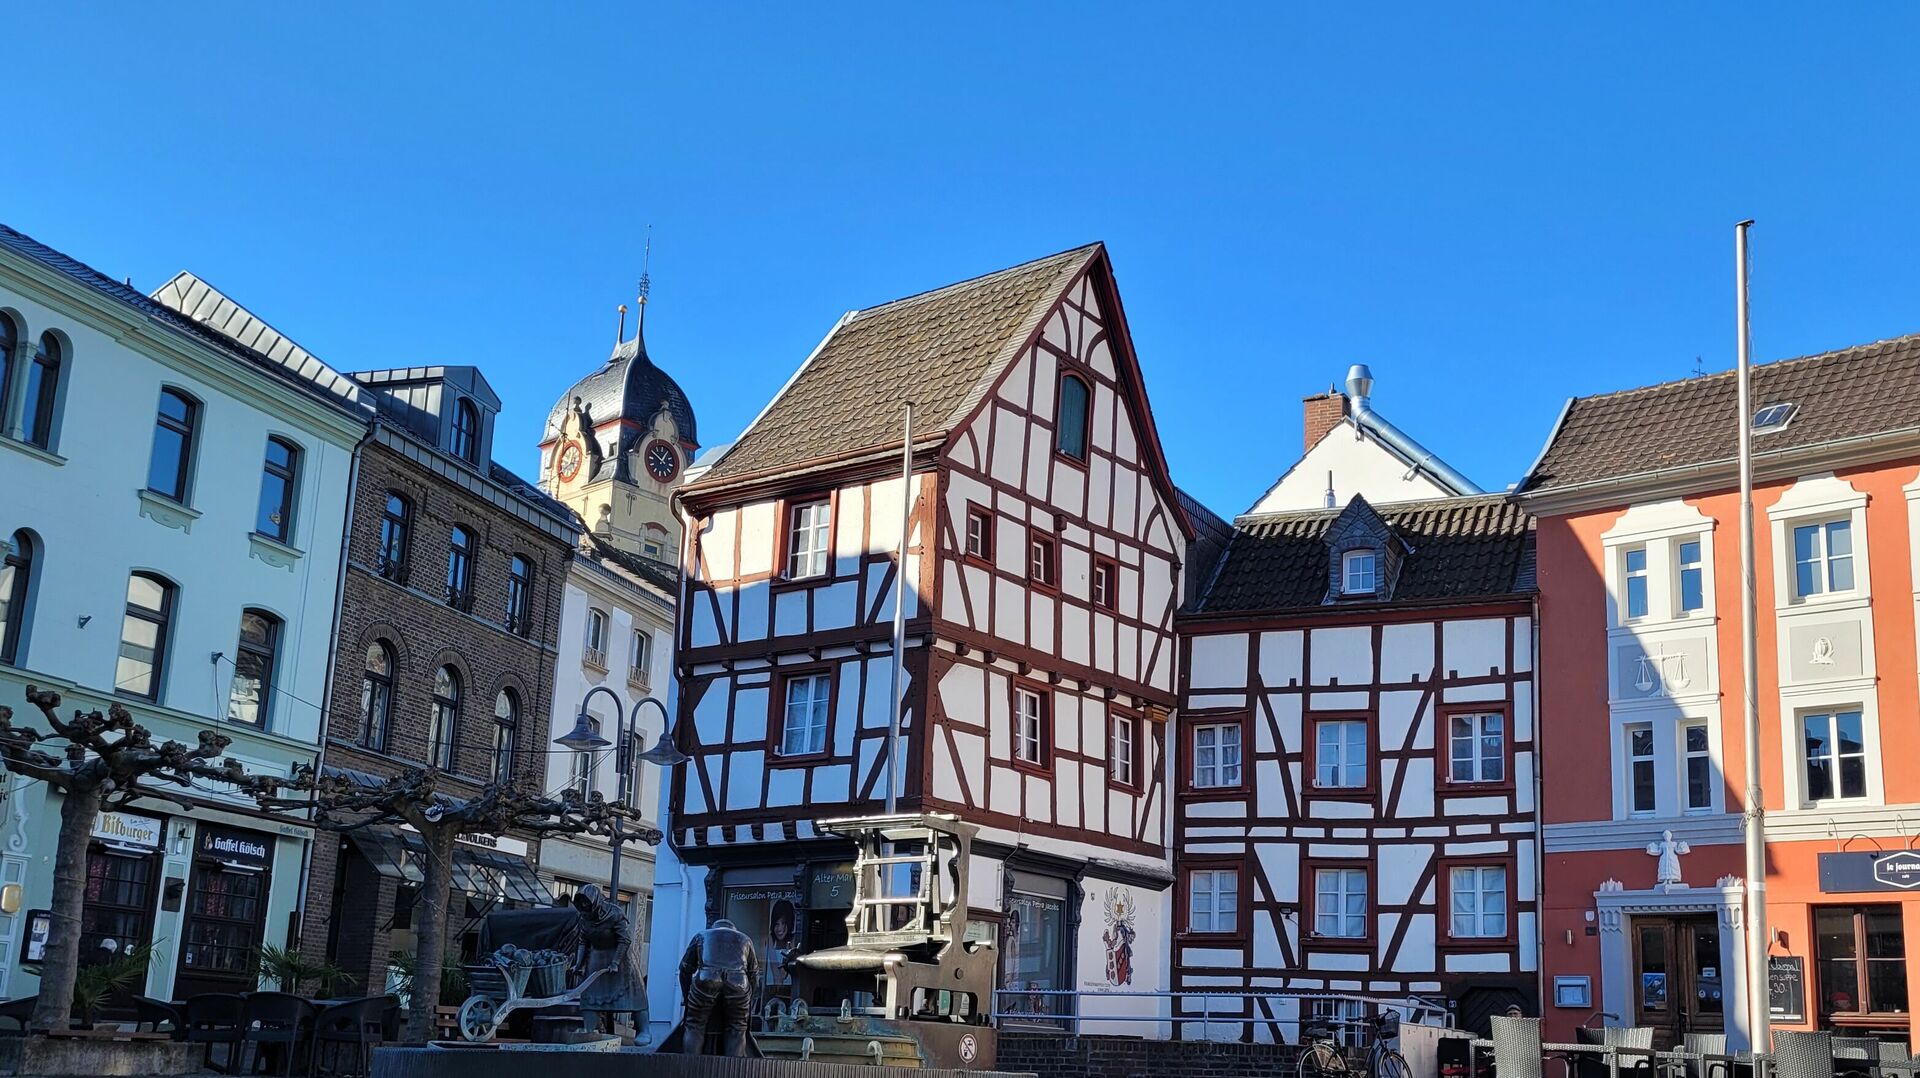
(1120, 909)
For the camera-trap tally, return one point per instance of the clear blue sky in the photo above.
(1493, 209)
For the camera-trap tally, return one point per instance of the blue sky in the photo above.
(1493, 208)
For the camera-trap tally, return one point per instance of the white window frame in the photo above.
(1831, 716)
(809, 539)
(816, 715)
(1681, 567)
(1348, 772)
(594, 641)
(1360, 572)
(1348, 883)
(1029, 726)
(1476, 735)
(1629, 576)
(1123, 749)
(1213, 773)
(1823, 561)
(640, 662)
(584, 776)
(1633, 762)
(1479, 912)
(1688, 755)
(1214, 884)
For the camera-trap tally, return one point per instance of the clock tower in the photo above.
(616, 445)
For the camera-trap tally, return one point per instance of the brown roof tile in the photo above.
(1458, 548)
(938, 349)
(1866, 389)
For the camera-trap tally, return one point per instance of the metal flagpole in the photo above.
(900, 610)
(1756, 810)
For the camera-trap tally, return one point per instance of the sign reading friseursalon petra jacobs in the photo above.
(1869, 870)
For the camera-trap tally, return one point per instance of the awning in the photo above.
(402, 855)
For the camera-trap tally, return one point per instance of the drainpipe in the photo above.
(1359, 391)
(333, 660)
(1539, 827)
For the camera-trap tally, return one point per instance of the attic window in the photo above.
(1774, 417)
(1359, 572)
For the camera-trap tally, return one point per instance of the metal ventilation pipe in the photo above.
(1359, 392)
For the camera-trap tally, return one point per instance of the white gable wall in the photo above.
(1359, 464)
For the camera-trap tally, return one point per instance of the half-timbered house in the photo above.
(1044, 565)
(1354, 780)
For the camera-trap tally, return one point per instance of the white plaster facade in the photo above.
(1350, 461)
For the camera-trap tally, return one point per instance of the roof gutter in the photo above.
(1359, 387)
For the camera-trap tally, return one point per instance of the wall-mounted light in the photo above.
(10, 896)
(84, 618)
(180, 834)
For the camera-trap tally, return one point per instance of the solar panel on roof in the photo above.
(1773, 417)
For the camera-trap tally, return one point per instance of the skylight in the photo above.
(1774, 417)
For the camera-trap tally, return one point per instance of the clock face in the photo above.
(570, 457)
(662, 462)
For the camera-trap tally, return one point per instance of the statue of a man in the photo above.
(719, 974)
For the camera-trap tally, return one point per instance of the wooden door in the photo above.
(1678, 986)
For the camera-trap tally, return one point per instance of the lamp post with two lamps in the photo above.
(583, 738)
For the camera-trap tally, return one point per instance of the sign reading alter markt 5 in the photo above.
(1869, 871)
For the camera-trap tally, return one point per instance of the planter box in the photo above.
(95, 1057)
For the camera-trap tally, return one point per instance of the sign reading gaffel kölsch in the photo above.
(1870, 871)
(240, 849)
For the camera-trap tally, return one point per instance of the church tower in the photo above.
(616, 445)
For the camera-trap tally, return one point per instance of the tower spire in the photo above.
(646, 286)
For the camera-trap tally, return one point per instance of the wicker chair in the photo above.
(1802, 1055)
(1896, 1061)
(1595, 1065)
(1705, 1044)
(1516, 1047)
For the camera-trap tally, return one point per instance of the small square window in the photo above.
(1359, 572)
(1340, 909)
(1477, 747)
(1106, 576)
(979, 533)
(1216, 756)
(1823, 558)
(1477, 895)
(1213, 900)
(1340, 754)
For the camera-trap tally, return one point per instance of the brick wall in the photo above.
(1324, 411)
(1058, 1056)
(424, 633)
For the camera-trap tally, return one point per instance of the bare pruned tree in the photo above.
(340, 801)
(97, 762)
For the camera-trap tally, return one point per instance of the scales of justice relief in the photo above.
(1661, 673)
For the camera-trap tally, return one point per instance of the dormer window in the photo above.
(1360, 572)
(466, 432)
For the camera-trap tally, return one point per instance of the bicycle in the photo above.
(1321, 1055)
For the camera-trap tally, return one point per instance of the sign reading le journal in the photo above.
(1869, 871)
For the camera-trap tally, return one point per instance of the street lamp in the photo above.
(582, 738)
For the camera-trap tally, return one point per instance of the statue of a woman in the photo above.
(606, 942)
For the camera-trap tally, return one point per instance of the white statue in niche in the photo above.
(1667, 873)
(1822, 652)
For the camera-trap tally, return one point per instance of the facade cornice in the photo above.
(464, 476)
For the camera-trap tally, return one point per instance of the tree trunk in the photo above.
(78, 809)
(430, 925)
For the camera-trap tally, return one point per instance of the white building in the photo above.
(174, 515)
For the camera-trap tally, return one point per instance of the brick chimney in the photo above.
(1324, 411)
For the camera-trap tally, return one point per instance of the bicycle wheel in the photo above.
(1320, 1061)
(1390, 1064)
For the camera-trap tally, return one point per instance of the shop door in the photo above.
(1677, 977)
(226, 913)
(1037, 961)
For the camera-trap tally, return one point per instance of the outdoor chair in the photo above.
(1802, 1055)
(1705, 1045)
(214, 1018)
(1516, 1047)
(14, 1015)
(280, 1020)
(358, 1025)
(1896, 1061)
(1594, 1065)
(151, 1015)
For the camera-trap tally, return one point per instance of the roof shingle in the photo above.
(1458, 548)
(1866, 389)
(937, 349)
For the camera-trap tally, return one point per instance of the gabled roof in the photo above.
(660, 575)
(291, 367)
(207, 306)
(940, 349)
(1864, 390)
(1457, 548)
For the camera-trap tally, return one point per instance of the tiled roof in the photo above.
(1457, 548)
(1211, 535)
(1867, 389)
(291, 366)
(658, 573)
(938, 349)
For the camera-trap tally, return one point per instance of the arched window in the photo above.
(168, 471)
(376, 697)
(460, 569)
(251, 695)
(9, 341)
(282, 466)
(466, 431)
(519, 595)
(1070, 429)
(43, 385)
(143, 636)
(446, 718)
(395, 522)
(506, 722)
(16, 576)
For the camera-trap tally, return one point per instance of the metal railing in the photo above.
(1199, 1008)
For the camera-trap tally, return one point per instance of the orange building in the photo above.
(1643, 916)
